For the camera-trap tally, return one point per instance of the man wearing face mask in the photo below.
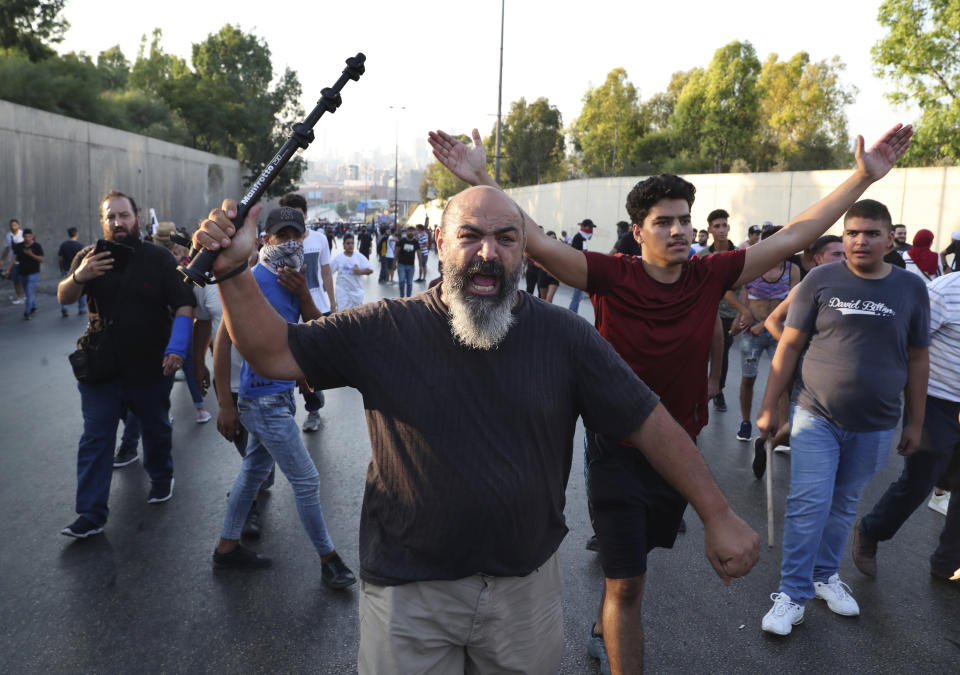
(129, 353)
(463, 508)
(267, 409)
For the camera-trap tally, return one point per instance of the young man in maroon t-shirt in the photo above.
(659, 313)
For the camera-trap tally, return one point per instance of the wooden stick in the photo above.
(769, 448)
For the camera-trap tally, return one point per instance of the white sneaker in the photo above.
(837, 595)
(939, 503)
(19, 301)
(783, 616)
(782, 449)
(312, 422)
(203, 416)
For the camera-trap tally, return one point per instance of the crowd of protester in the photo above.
(463, 511)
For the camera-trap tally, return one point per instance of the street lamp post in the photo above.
(396, 164)
(496, 165)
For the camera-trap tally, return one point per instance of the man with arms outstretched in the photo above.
(463, 509)
(659, 313)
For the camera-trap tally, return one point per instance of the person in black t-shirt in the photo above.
(626, 243)
(28, 255)
(141, 319)
(407, 251)
(953, 248)
(364, 241)
(68, 251)
(463, 507)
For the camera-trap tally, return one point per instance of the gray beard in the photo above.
(480, 322)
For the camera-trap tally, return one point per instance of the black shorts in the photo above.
(633, 509)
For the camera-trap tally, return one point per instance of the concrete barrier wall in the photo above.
(919, 198)
(54, 169)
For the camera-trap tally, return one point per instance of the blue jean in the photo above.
(274, 435)
(103, 405)
(29, 282)
(131, 430)
(828, 470)
(575, 300)
(192, 385)
(405, 274)
(81, 303)
(752, 348)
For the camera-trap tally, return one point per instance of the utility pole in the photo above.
(396, 163)
(496, 170)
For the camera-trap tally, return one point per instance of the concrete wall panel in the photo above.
(53, 170)
(918, 197)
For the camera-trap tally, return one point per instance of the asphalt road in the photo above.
(143, 597)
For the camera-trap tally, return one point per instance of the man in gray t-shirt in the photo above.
(865, 327)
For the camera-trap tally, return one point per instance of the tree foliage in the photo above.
(606, 133)
(532, 145)
(802, 120)
(733, 115)
(921, 54)
(225, 101)
(29, 26)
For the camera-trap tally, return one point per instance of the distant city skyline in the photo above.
(439, 59)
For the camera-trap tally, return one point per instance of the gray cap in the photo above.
(285, 216)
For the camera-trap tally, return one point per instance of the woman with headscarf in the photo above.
(920, 259)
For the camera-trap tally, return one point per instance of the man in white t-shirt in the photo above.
(350, 266)
(14, 236)
(316, 263)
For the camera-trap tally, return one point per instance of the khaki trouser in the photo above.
(479, 624)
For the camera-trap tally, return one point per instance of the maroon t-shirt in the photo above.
(664, 331)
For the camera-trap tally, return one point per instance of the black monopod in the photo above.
(200, 269)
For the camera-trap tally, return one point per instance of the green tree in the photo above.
(802, 120)
(114, 68)
(226, 101)
(731, 119)
(611, 122)
(31, 25)
(532, 146)
(921, 54)
(687, 124)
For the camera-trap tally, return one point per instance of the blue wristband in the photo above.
(180, 337)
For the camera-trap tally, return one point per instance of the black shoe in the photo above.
(64, 313)
(125, 455)
(593, 544)
(251, 526)
(944, 575)
(335, 574)
(759, 458)
(720, 403)
(33, 311)
(240, 558)
(82, 528)
(26, 317)
(160, 492)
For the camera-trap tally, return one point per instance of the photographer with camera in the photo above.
(141, 319)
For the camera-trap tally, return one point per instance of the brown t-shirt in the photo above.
(471, 449)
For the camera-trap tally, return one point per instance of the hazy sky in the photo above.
(439, 59)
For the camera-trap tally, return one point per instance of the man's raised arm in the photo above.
(470, 164)
(872, 165)
(256, 330)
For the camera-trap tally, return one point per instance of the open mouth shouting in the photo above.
(484, 284)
